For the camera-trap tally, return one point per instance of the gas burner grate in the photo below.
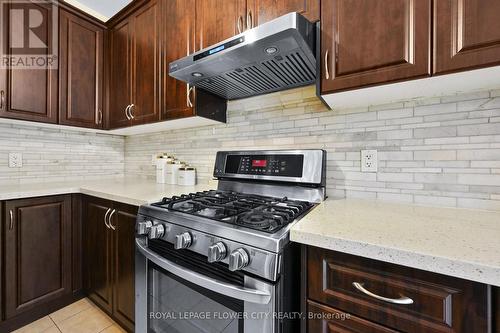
(256, 212)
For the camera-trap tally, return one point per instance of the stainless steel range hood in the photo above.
(274, 56)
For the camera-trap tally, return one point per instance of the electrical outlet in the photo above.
(15, 160)
(369, 161)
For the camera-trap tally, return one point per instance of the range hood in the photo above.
(274, 56)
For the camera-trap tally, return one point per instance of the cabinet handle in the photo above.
(2, 99)
(106, 218)
(99, 117)
(249, 20)
(188, 96)
(126, 112)
(240, 24)
(130, 112)
(109, 219)
(401, 301)
(327, 70)
(11, 224)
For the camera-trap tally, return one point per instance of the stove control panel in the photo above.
(236, 255)
(266, 165)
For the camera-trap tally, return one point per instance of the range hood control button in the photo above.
(183, 241)
(238, 259)
(217, 252)
(156, 231)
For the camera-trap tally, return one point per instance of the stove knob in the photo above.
(156, 231)
(183, 241)
(216, 252)
(143, 227)
(238, 259)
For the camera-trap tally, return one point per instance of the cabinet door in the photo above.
(97, 251)
(120, 74)
(28, 94)
(177, 43)
(37, 252)
(146, 63)
(123, 222)
(217, 20)
(467, 34)
(267, 10)
(80, 72)
(368, 42)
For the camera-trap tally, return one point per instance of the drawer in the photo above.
(328, 320)
(398, 297)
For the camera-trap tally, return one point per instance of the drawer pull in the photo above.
(402, 301)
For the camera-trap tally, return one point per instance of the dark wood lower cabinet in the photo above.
(109, 252)
(37, 252)
(415, 301)
(39, 261)
(496, 311)
(97, 251)
(124, 265)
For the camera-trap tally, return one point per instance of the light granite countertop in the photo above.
(456, 242)
(130, 191)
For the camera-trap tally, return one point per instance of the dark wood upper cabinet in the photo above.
(135, 67)
(124, 264)
(120, 79)
(28, 94)
(368, 42)
(466, 34)
(217, 20)
(262, 11)
(80, 72)
(177, 43)
(97, 251)
(146, 64)
(38, 263)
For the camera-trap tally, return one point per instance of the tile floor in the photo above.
(80, 317)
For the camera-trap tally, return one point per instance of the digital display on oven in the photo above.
(259, 163)
(265, 165)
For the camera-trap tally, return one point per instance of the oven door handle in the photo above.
(234, 291)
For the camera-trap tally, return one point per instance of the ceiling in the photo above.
(101, 9)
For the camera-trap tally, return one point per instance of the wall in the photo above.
(439, 151)
(58, 155)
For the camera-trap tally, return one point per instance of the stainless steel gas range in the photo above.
(221, 260)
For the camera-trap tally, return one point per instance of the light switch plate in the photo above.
(15, 160)
(369, 161)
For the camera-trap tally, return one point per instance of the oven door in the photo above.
(175, 295)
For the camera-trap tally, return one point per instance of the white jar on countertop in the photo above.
(161, 168)
(186, 176)
(172, 169)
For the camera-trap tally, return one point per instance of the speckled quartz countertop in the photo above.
(126, 190)
(456, 242)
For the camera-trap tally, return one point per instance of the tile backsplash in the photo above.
(58, 155)
(438, 151)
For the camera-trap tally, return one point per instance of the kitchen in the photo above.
(250, 166)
